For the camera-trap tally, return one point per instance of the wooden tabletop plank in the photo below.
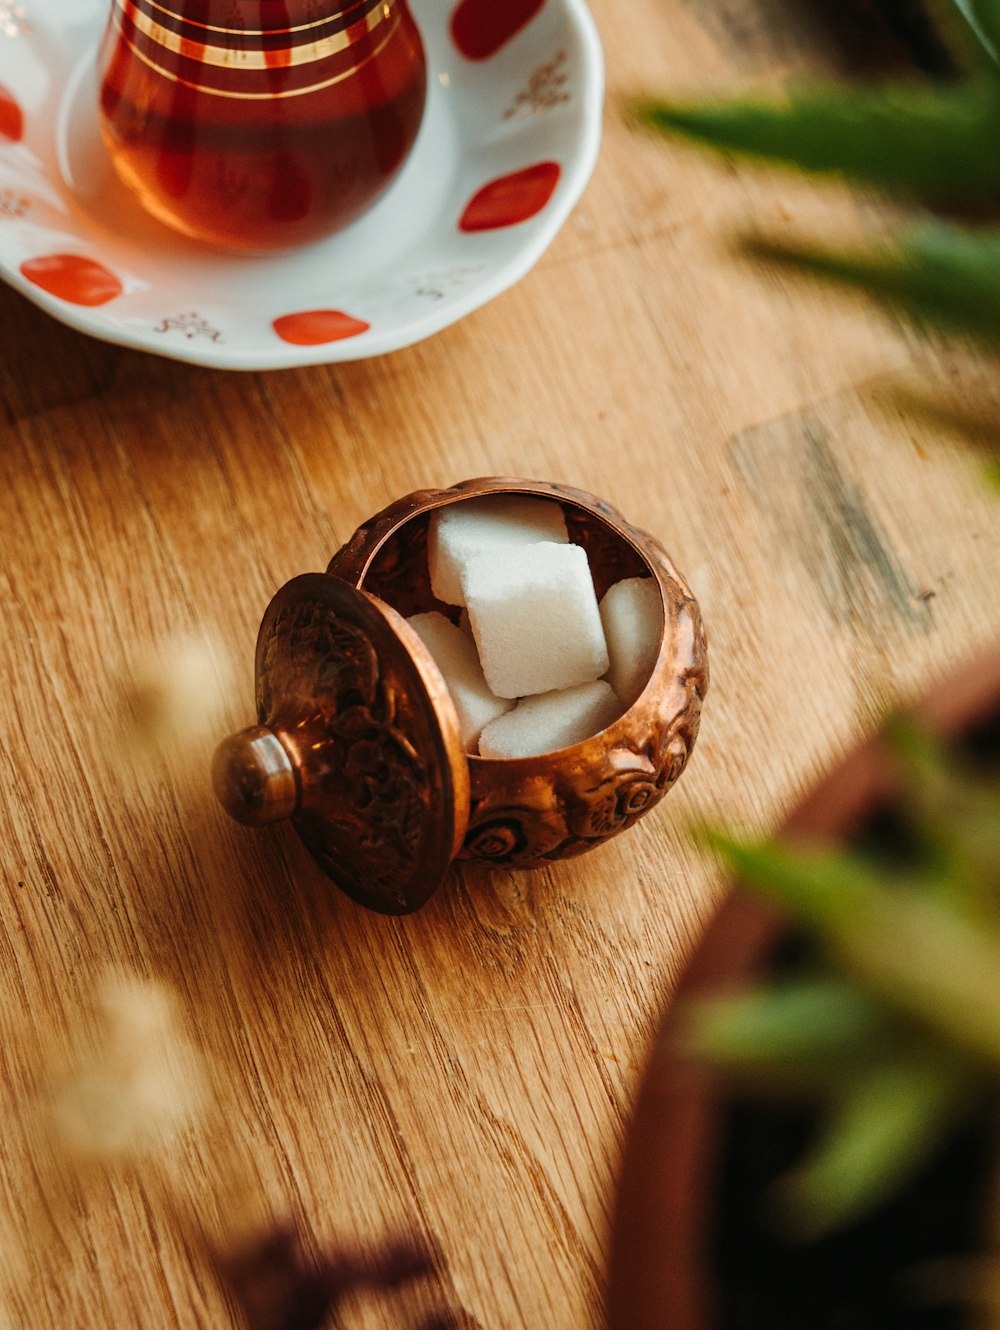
(464, 1074)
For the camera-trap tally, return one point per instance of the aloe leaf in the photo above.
(934, 143)
(875, 1137)
(829, 891)
(923, 753)
(936, 965)
(938, 273)
(811, 1031)
(983, 17)
(958, 35)
(955, 818)
(929, 777)
(914, 950)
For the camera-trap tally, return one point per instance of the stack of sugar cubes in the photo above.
(535, 663)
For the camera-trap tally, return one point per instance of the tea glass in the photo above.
(260, 125)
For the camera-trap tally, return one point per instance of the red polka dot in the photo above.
(480, 27)
(11, 116)
(72, 278)
(318, 326)
(511, 198)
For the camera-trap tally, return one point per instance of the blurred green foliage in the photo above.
(933, 144)
(894, 1028)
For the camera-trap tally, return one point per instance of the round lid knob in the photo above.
(253, 777)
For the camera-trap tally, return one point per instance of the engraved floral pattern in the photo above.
(520, 824)
(547, 88)
(13, 19)
(368, 809)
(560, 818)
(615, 803)
(437, 285)
(13, 204)
(190, 326)
(497, 841)
(373, 779)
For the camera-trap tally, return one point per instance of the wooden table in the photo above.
(463, 1074)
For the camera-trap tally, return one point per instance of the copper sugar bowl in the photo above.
(358, 740)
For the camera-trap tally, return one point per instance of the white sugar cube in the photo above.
(495, 523)
(632, 614)
(455, 655)
(553, 720)
(535, 618)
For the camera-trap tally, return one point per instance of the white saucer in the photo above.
(404, 271)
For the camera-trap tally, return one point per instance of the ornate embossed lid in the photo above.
(358, 743)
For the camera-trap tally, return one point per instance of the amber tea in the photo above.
(260, 124)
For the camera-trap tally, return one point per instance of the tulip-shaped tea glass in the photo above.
(260, 124)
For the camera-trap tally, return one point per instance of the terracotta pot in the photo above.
(663, 1273)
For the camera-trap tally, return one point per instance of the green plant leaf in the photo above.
(939, 273)
(984, 18)
(875, 1136)
(955, 819)
(831, 892)
(914, 950)
(933, 963)
(811, 1032)
(961, 35)
(933, 143)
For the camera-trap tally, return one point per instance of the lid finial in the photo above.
(253, 777)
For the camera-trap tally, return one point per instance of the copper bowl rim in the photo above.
(420, 503)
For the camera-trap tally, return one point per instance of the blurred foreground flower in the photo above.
(134, 1080)
(174, 694)
(130, 1094)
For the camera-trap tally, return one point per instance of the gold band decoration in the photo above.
(256, 64)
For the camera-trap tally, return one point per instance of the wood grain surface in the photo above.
(465, 1074)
